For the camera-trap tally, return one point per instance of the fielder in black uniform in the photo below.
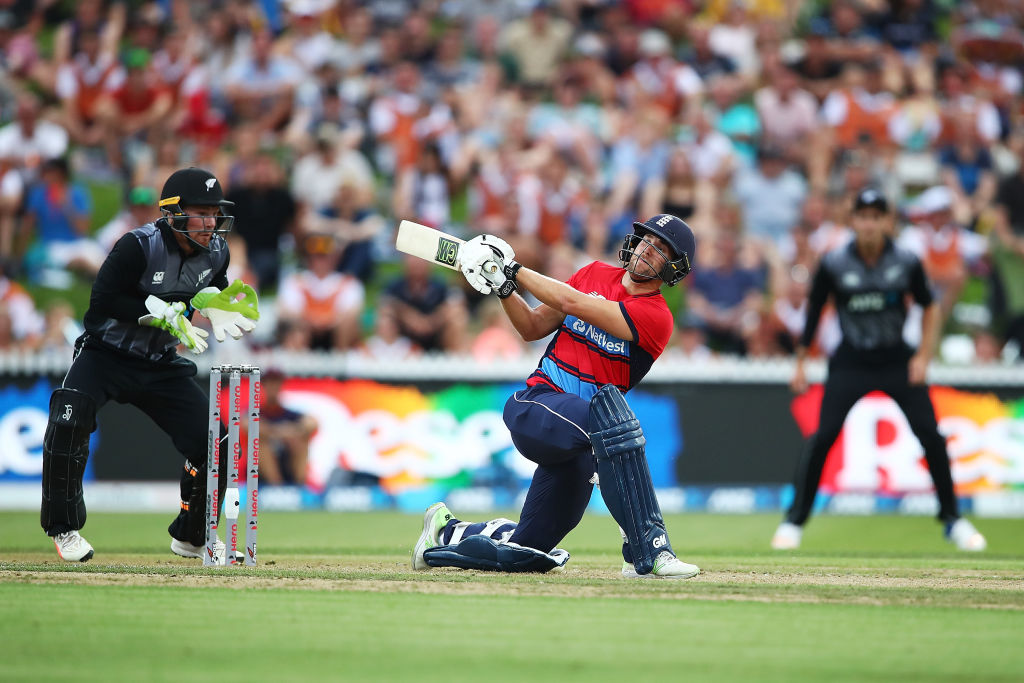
(869, 281)
(152, 281)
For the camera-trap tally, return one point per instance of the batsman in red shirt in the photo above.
(610, 324)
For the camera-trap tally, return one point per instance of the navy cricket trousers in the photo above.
(551, 428)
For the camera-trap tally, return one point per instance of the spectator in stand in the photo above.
(260, 89)
(676, 193)
(552, 202)
(57, 215)
(8, 342)
(702, 59)
(661, 81)
(423, 191)
(860, 108)
(498, 341)
(910, 24)
(818, 70)
(726, 297)
(968, 170)
(264, 215)
(691, 340)
(947, 250)
(139, 210)
(851, 39)
(733, 117)
(327, 303)
(284, 433)
(734, 37)
(770, 195)
(320, 174)
(957, 99)
(81, 85)
(637, 158)
(355, 226)
(387, 342)
(401, 119)
(710, 151)
(788, 113)
(429, 312)
(1008, 258)
(30, 140)
(135, 107)
(23, 325)
(61, 329)
(536, 43)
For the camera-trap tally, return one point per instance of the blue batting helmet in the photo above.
(676, 233)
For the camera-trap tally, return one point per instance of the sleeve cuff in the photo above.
(629, 321)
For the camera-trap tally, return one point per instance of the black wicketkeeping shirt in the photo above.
(871, 302)
(147, 261)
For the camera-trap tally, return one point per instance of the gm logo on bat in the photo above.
(447, 251)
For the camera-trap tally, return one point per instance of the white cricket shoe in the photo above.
(787, 537)
(434, 520)
(965, 536)
(72, 547)
(185, 549)
(666, 566)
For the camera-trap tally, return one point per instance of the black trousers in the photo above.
(170, 396)
(845, 385)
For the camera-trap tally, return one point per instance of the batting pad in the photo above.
(65, 453)
(625, 480)
(481, 552)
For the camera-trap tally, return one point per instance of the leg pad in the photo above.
(481, 552)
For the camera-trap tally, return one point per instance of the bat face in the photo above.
(447, 251)
(432, 245)
(428, 244)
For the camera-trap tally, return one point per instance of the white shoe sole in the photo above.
(83, 558)
(421, 543)
(629, 573)
(183, 549)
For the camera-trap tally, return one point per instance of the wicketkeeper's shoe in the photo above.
(787, 537)
(666, 566)
(72, 547)
(965, 536)
(434, 520)
(186, 549)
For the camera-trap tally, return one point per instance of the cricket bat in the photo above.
(430, 244)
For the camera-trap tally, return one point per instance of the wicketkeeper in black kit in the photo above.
(151, 283)
(870, 280)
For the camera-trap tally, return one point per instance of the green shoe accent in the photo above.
(435, 519)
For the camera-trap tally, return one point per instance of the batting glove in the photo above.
(170, 317)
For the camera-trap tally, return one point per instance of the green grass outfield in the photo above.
(867, 598)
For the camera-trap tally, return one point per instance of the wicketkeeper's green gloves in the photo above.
(170, 317)
(226, 315)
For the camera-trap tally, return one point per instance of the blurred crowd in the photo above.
(553, 124)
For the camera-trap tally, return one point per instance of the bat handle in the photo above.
(491, 267)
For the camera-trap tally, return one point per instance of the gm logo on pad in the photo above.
(447, 251)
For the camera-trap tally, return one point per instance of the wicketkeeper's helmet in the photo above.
(191, 187)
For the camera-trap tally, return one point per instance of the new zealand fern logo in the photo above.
(447, 251)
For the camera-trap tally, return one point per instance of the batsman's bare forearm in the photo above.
(531, 323)
(560, 297)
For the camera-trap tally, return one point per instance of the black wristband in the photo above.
(507, 288)
(512, 269)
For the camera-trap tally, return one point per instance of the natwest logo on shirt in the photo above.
(596, 335)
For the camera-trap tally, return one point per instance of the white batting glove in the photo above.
(499, 246)
(481, 267)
